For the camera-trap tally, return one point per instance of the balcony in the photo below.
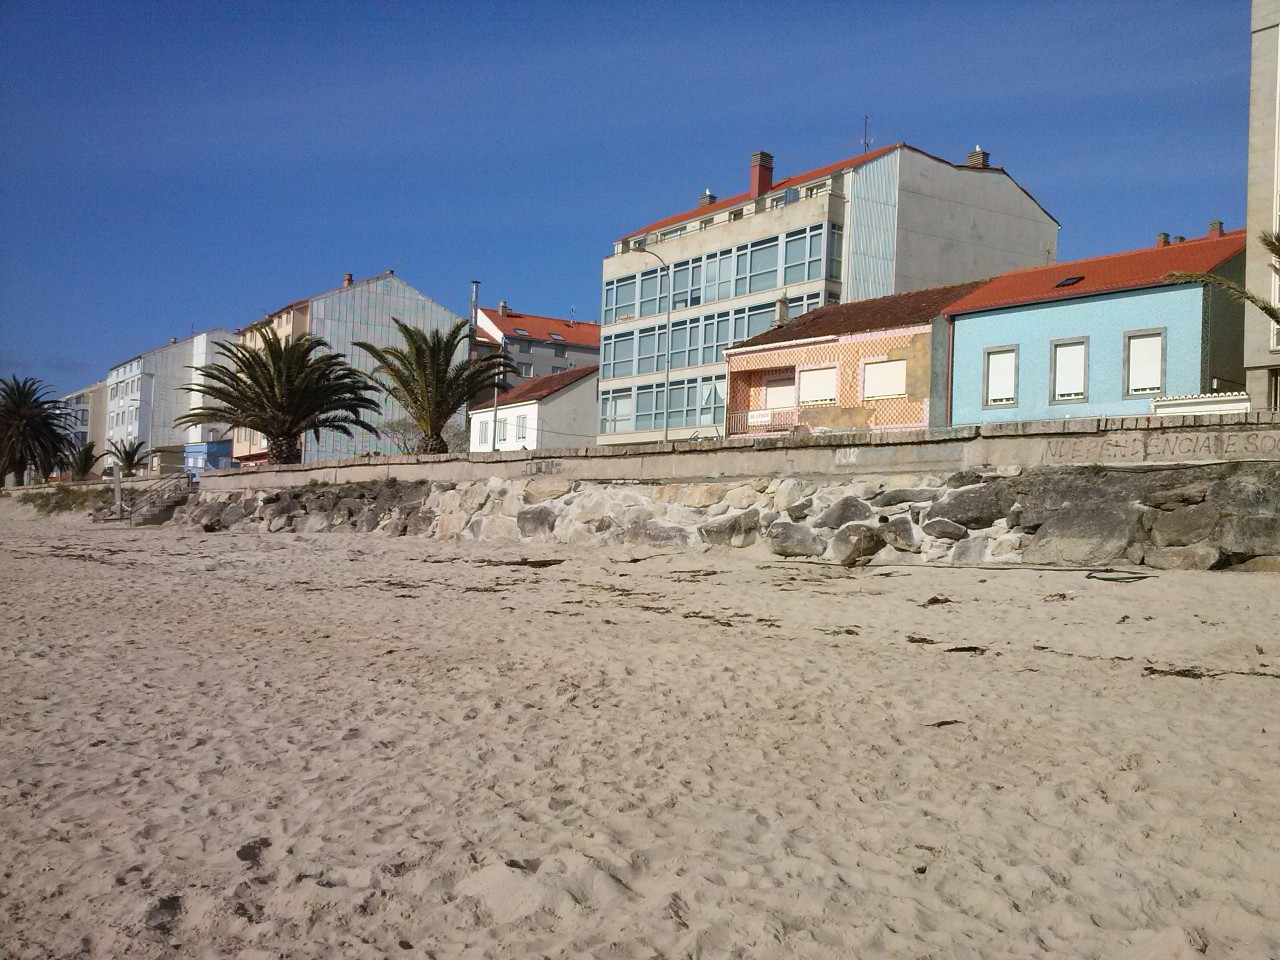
(758, 423)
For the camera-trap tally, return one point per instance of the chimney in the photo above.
(761, 173)
(1176, 239)
(502, 308)
(978, 158)
(1215, 228)
(780, 312)
(707, 199)
(346, 281)
(1162, 239)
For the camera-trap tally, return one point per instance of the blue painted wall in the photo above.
(1104, 320)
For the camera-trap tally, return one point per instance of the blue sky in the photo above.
(169, 167)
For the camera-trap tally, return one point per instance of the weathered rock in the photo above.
(1177, 497)
(900, 533)
(974, 507)
(718, 509)
(739, 498)
(1259, 565)
(891, 556)
(1087, 535)
(544, 488)
(964, 478)
(312, 523)
(495, 528)
(278, 523)
(794, 540)
(905, 495)
(422, 522)
(656, 533)
(845, 510)
(368, 520)
(945, 529)
(1249, 536)
(1179, 527)
(234, 513)
(798, 509)
(734, 530)
(1008, 546)
(1200, 556)
(537, 521)
(789, 491)
(450, 525)
(970, 552)
(854, 544)
(700, 494)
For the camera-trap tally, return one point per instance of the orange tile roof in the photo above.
(838, 319)
(576, 332)
(1132, 270)
(809, 176)
(537, 388)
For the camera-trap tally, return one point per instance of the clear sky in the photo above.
(169, 167)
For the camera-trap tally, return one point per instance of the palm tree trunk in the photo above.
(284, 450)
(19, 471)
(433, 443)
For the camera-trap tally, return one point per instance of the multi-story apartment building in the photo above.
(890, 221)
(145, 396)
(538, 346)
(87, 409)
(1262, 335)
(356, 310)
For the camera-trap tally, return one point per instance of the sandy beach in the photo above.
(354, 746)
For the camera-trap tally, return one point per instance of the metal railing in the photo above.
(177, 484)
(745, 423)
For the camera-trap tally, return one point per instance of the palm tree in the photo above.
(426, 378)
(81, 458)
(33, 428)
(282, 390)
(1269, 240)
(129, 455)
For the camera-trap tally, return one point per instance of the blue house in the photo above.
(211, 455)
(1100, 337)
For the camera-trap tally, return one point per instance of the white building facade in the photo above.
(545, 413)
(891, 221)
(145, 395)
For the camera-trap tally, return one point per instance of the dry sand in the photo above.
(348, 746)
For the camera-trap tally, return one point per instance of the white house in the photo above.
(539, 414)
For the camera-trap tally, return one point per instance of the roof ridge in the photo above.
(1120, 253)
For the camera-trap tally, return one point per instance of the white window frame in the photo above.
(884, 396)
(987, 403)
(789, 382)
(824, 401)
(500, 432)
(1129, 335)
(522, 426)
(482, 433)
(1054, 398)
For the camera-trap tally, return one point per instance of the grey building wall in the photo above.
(364, 311)
(1261, 352)
(543, 359)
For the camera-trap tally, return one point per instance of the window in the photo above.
(522, 426)
(780, 393)
(1143, 362)
(482, 434)
(1068, 370)
(1000, 377)
(523, 332)
(525, 369)
(818, 386)
(686, 284)
(835, 250)
(717, 276)
(616, 411)
(803, 255)
(560, 352)
(651, 350)
(735, 214)
(556, 336)
(653, 292)
(1069, 282)
(884, 378)
(671, 234)
(619, 300)
(501, 433)
(757, 267)
(618, 354)
(525, 346)
(650, 407)
(555, 370)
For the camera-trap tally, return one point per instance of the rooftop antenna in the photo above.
(573, 314)
(866, 140)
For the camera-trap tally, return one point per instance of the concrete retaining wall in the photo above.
(1086, 441)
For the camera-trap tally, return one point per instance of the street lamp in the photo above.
(666, 363)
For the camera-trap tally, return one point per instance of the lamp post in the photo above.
(666, 363)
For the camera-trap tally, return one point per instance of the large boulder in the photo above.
(794, 540)
(543, 488)
(656, 533)
(1087, 534)
(1249, 536)
(941, 529)
(734, 530)
(901, 534)
(790, 491)
(975, 507)
(970, 552)
(539, 521)
(1177, 528)
(700, 495)
(845, 510)
(855, 543)
(739, 498)
(1200, 556)
(905, 495)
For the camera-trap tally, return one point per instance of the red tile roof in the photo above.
(697, 213)
(539, 388)
(1131, 270)
(576, 332)
(838, 319)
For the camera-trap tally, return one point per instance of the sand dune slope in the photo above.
(354, 747)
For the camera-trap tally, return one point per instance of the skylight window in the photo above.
(1069, 282)
(556, 336)
(524, 333)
